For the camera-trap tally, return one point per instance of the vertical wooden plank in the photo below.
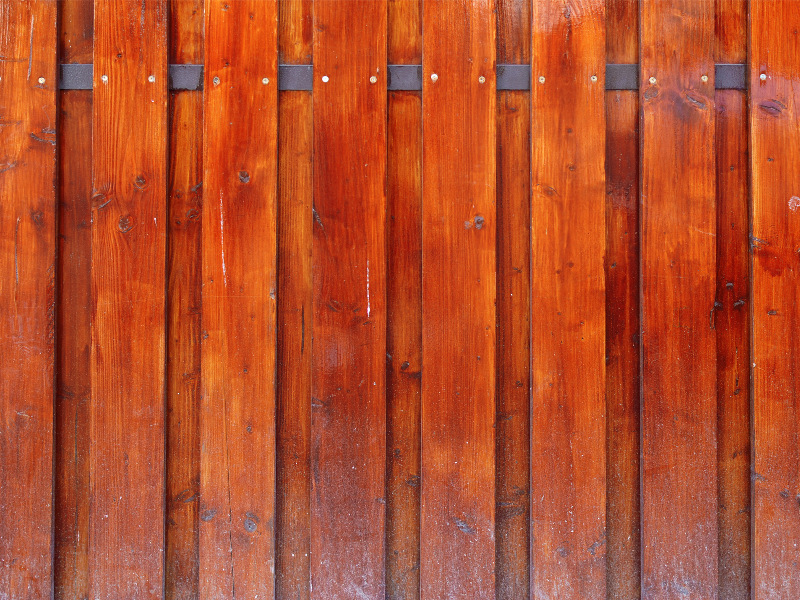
(404, 344)
(129, 224)
(678, 268)
(403, 309)
(295, 222)
(28, 87)
(568, 466)
(732, 312)
(457, 556)
(348, 418)
(512, 385)
(775, 171)
(238, 354)
(73, 340)
(71, 527)
(184, 268)
(623, 517)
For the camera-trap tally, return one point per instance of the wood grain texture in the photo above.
(731, 321)
(568, 417)
(28, 87)
(622, 35)
(458, 298)
(775, 238)
(238, 368)
(129, 233)
(348, 414)
(295, 222)
(295, 33)
(73, 401)
(404, 32)
(512, 425)
(183, 344)
(678, 268)
(186, 22)
(403, 344)
(623, 376)
(730, 28)
(75, 31)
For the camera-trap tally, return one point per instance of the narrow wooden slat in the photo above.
(295, 317)
(568, 466)
(404, 309)
(512, 385)
(238, 369)
(129, 225)
(775, 172)
(678, 268)
(404, 344)
(183, 344)
(732, 311)
(295, 173)
(71, 524)
(348, 418)
(184, 309)
(623, 517)
(28, 87)
(457, 556)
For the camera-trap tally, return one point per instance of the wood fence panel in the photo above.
(28, 88)
(348, 422)
(458, 301)
(513, 385)
(568, 416)
(623, 368)
(238, 368)
(775, 240)
(129, 235)
(678, 269)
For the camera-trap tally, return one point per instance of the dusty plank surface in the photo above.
(775, 171)
(71, 522)
(184, 276)
(295, 222)
(348, 418)
(403, 344)
(458, 292)
(28, 45)
(568, 444)
(183, 344)
(403, 309)
(237, 461)
(678, 269)
(129, 225)
(512, 385)
(512, 427)
(623, 516)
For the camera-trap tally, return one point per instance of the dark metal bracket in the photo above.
(403, 77)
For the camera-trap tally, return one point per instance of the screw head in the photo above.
(704, 78)
(373, 79)
(325, 79)
(594, 78)
(41, 80)
(434, 77)
(541, 79)
(265, 81)
(104, 79)
(481, 79)
(216, 80)
(151, 79)
(652, 81)
(763, 77)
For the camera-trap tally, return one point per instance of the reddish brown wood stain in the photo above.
(775, 241)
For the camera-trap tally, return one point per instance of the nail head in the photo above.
(763, 77)
(104, 79)
(151, 79)
(652, 81)
(373, 79)
(704, 78)
(216, 80)
(594, 78)
(434, 77)
(541, 79)
(481, 79)
(41, 80)
(265, 81)
(325, 79)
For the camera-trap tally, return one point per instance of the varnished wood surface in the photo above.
(775, 240)
(129, 235)
(238, 364)
(678, 269)
(28, 88)
(348, 409)
(457, 555)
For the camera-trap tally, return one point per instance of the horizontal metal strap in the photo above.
(404, 77)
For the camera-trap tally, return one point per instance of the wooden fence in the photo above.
(467, 341)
